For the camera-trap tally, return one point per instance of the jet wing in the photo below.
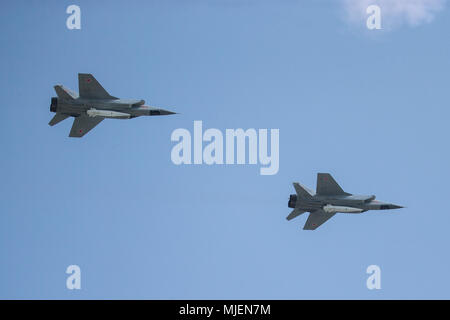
(83, 124)
(326, 185)
(90, 88)
(316, 219)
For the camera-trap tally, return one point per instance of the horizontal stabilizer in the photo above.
(58, 118)
(294, 214)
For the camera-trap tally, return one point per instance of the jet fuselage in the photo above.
(132, 108)
(341, 202)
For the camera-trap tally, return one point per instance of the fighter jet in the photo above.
(328, 200)
(94, 104)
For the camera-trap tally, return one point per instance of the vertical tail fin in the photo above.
(64, 93)
(302, 191)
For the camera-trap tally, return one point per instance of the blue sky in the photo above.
(370, 107)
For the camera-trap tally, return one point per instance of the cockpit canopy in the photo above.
(139, 103)
(369, 198)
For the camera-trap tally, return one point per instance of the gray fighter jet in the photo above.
(94, 104)
(328, 200)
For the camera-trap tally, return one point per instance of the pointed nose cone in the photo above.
(166, 112)
(394, 206)
(159, 112)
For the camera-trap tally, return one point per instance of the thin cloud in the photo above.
(395, 12)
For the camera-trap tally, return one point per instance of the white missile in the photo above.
(107, 114)
(334, 209)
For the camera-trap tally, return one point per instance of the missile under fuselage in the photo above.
(334, 209)
(107, 114)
